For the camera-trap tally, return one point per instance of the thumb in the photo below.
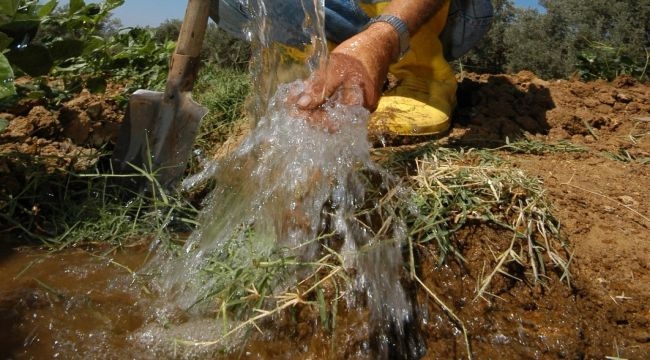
(315, 91)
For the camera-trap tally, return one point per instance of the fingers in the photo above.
(317, 90)
(350, 95)
(318, 118)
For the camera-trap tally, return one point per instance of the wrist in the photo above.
(399, 27)
(382, 37)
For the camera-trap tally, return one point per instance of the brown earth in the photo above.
(599, 195)
(39, 140)
(601, 200)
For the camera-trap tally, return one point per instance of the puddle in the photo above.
(69, 304)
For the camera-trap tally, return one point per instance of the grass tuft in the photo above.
(64, 207)
(538, 147)
(447, 190)
(452, 190)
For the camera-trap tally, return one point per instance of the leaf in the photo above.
(75, 5)
(112, 4)
(93, 43)
(34, 59)
(22, 31)
(75, 67)
(5, 41)
(47, 8)
(64, 49)
(92, 10)
(7, 87)
(8, 7)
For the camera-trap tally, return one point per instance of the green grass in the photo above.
(537, 147)
(63, 208)
(224, 92)
(454, 189)
(624, 156)
(63, 205)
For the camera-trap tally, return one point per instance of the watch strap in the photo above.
(400, 27)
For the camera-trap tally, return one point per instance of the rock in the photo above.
(606, 98)
(94, 110)
(627, 200)
(19, 128)
(603, 109)
(622, 97)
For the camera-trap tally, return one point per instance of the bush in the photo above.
(79, 44)
(601, 61)
(595, 39)
(537, 42)
(489, 56)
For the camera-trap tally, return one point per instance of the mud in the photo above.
(599, 195)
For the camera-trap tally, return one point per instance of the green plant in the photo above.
(19, 23)
(79, 45)
(7, 87)
(596, 39)
(602, 61)
(86, 45)
(42, 37)
(132, 57)
(224, 91)
(62, 207)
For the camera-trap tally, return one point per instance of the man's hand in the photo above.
(360, 62)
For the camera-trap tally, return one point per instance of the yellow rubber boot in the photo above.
(292, 61)
(425, 95)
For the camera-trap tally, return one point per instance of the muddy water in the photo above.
(91, 304)
(72, 304)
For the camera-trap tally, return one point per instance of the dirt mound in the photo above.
(67, 138)
(492, 108)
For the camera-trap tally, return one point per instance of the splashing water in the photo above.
(290, 188)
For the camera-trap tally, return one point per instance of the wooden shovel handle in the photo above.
(193, 28)
(185, 62)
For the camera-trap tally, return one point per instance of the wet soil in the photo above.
(69, 303)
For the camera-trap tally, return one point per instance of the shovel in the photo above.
(158, 131)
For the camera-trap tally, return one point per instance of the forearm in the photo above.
(414, 13)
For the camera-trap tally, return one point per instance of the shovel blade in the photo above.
(156, 137)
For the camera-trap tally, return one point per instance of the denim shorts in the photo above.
(467, 22)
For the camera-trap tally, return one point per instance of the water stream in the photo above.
(293, 193)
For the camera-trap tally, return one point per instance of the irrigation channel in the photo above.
(290, 225)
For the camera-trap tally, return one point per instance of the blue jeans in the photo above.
(467, 22)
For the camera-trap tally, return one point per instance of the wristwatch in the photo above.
(400, 26)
